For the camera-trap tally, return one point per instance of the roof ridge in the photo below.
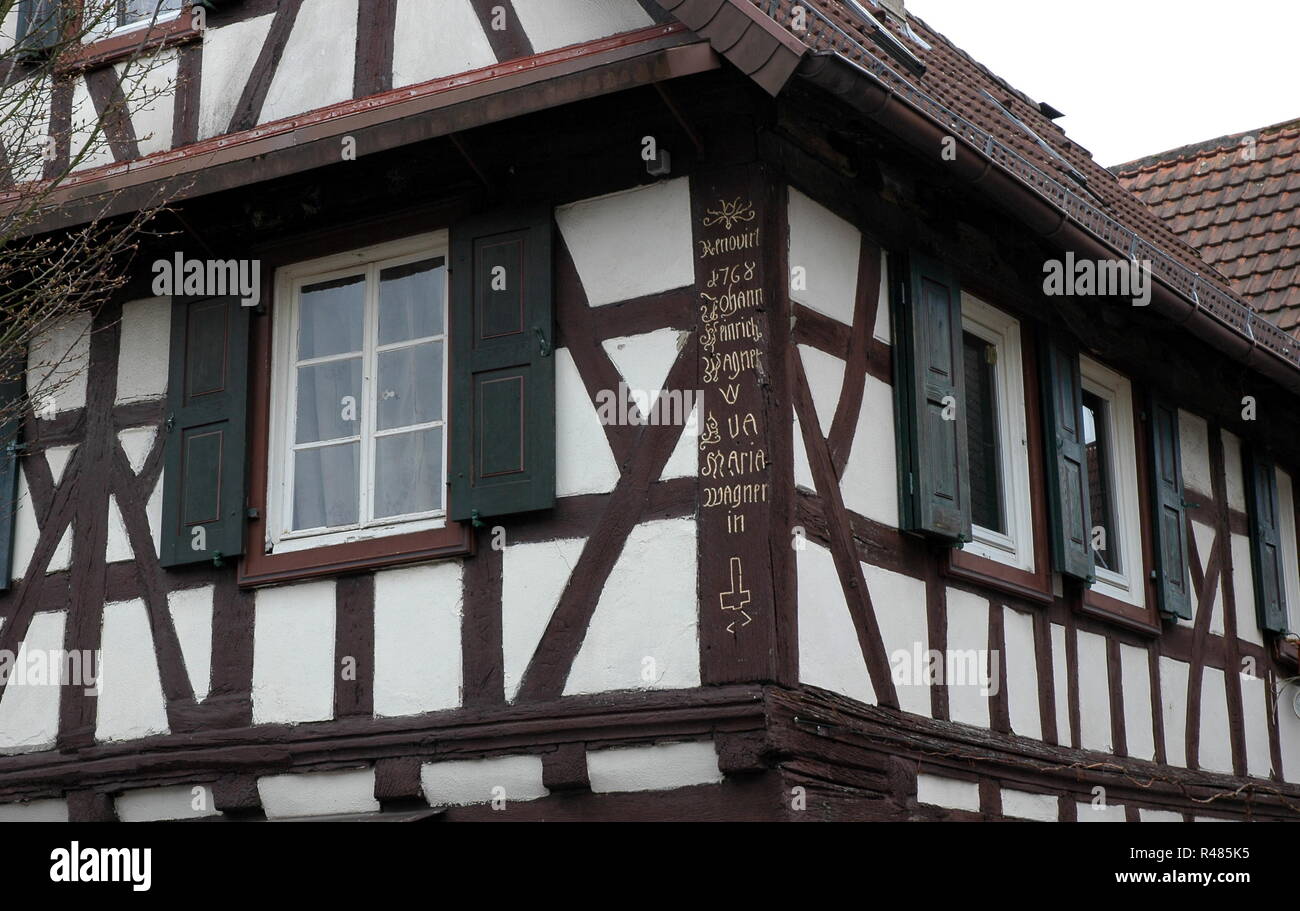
(1203, 148)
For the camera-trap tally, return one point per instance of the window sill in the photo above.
(1286, 651)
(259, 568)
(1033, 586)
(1139, 619)
(119, 46)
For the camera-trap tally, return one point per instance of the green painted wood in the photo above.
(1173, 582)
(503, 369)
(1266, 544)
(1067, 464)
(206, 417)
(12, 401)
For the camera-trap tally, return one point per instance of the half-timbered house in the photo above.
(643, 409)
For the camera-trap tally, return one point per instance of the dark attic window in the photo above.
(982, 434)
(1101, 493)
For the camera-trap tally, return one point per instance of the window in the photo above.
(111, 15)
(358, 435)
(1290, 556)
(996, 435)
(1110, 450)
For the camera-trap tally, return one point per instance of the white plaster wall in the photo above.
(137, 443)
(1088, 812)
(29, 714)
(26, 529)
(659, 767)
(825, 374)
(1204, 536)
(153, 512)
(827, 247)
(1173, 696)
(1025, 805)
(684, 461)
(57, 457)
(318, 793)
(1194, 441)
(418, 614)
(293, 653)
(61, 559)
(1254, 703)
(968, 629)
(533, 577)
(86, 147)
(583, 461)
(1216, 737)
(461, 782)
(1135, 675)
(36, 810)
(550, 24)
(631, 243)
(644, 361)
(433, 40)
(1061, 686)
(1021, 660)
(24, 130)
(829, 654)
(869, 481)
(229, 53)
(1094, 693)
(884, 328)
(1288, 730)
(158, 804)
(118, 548)
(149, 86)
(1243, 589)
(1233, 470)
(143, 347)
(647, 619)
(1146, 815)
(56, 366)
(316, 67)
(803, 477)
(952, 793)
(131, 703)
(900, 609)
(191, 613)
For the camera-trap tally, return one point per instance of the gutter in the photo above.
(1247, 338)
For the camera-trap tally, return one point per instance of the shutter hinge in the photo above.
(474, 519)
(251, 512)
(216, 559)
(170, 422)
(543, 346)
(1187, 505)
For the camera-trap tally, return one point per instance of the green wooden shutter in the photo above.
(928, 384)
(1170, 508)
(203, 464)
(503, 374)
(39, 25)
(11, 421)
(1266, 544)
(1067, 466)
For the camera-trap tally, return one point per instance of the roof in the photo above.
(1237, 200)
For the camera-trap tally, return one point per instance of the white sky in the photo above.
(1136, 77)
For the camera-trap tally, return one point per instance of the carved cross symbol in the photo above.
(737, 597)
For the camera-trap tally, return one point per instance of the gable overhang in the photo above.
(377, 123)
(742, 32)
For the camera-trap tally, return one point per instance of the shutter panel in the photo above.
(1172, 582)
(1266, 545)
(503, 374)
(39, 24)
(203, 479)
(1067, 467)
(927, 379)
(12, 388)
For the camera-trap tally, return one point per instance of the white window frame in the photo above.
(1290, 558)
(107, 27)
(289, 280)
(1002, 331)
(1117, 392)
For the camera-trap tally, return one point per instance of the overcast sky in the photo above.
(1136, 77)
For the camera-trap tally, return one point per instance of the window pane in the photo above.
(408, 473)
(144, 9)
(330, 317)
(982, 434)
(1097, 436)
(329, 400)
(325, 490)
(411, 301)
(410, 386)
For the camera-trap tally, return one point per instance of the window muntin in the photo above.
(359, 396)
(1108, 401)
(111, 16)
(997, 436)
